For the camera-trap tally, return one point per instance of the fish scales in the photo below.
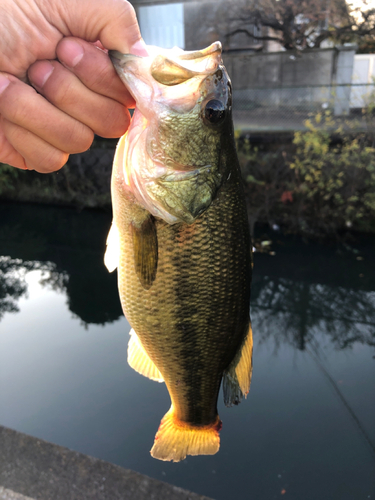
(185, 287)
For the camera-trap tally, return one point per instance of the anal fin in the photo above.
(139, 360)
(237, 377)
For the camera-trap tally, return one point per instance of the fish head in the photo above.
(173, 155)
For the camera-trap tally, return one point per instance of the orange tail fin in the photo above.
(176, 439)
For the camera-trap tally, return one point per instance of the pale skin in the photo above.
(75, 91)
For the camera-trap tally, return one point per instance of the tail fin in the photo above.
(176, 439)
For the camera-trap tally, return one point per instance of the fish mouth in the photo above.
(171, 76)
(214, 48)
(119, 59)
(170, 66)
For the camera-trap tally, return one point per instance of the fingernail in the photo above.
(139, 48)
(4, 82)
(40, 73)
(70, 52)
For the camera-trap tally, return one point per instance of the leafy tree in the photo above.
(303, 24)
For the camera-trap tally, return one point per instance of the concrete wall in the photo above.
(32, 469)
(286, 78)
(363, 73)
(280, 69)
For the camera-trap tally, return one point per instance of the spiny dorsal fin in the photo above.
(139, 360)
(237, 377)
(145, 244)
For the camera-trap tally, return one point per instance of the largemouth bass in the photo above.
(180, 239)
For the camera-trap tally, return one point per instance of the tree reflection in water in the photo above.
(286, 310)
(303, 290)
(69, 246)
(293, 312)
(13, 283)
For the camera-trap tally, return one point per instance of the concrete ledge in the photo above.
(31, 467)
(6, 494)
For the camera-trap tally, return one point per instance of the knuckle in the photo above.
(115, 123)
(129, 10)
(63, 93)
(15, 103)
(129, 19)
(51, 161)
(101, 77)
(80, 138)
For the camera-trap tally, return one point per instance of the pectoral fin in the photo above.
(139, 360)
(145, 244)
(237, 377)
(112, 253)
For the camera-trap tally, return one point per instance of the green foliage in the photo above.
(336, 183)
(322, 183)
(8, 177)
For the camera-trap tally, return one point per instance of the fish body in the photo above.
(180, 239)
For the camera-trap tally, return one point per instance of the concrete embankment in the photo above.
(33, 469)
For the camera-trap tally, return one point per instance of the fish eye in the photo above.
(214, 112)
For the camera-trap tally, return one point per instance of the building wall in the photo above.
(363, 73)
(282, 78)
(162, 25)
(279, 69)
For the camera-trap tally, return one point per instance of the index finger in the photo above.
(94, 68)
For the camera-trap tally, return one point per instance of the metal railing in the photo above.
(288, 107)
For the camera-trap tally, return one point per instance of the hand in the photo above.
(78, 95)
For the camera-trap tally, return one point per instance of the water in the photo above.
(306, 430)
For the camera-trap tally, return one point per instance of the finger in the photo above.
(36, 153)
(103, 115)
(113, 22)
(7, 152)
(20, 104)
(94, 68)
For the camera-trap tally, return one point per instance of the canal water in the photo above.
(306, 430)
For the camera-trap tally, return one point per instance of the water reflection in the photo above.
(307, 425)
(295, 311)
(70, 246)
(288, 306)
(13, 283)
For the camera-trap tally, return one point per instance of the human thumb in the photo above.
(113, 22)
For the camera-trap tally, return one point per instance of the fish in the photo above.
(181, 243)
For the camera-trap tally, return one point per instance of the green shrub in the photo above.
(334, 183)
(8, 177)
(321, 183)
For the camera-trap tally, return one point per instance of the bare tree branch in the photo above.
(303, 24)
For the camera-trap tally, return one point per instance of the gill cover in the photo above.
(171, 155)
